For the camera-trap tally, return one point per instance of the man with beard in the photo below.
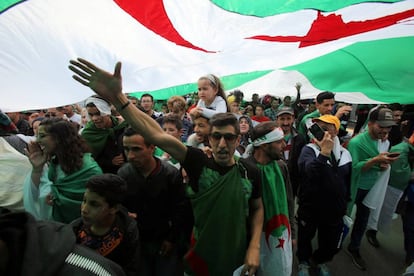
(325, 167)
(370, 168)
(276, 241)
(285, 118)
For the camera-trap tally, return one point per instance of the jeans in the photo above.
(153, 264)
(329, 236)
(361, 220)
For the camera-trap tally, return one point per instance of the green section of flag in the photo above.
(273, 187)
(5, 4)
(263, 8)
(229, 82)
(382, 69)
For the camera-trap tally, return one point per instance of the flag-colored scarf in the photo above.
(276, 244)
(362, 148)
(68, 190)
(276, 212)
(97, 137)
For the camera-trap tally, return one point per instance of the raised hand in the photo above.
(343, 110)
(105, 84)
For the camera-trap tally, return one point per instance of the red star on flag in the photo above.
(281, 243)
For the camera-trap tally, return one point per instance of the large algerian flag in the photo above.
(166, 45)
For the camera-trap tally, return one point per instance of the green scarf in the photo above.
(219, 236)
(362, 149)
(97, 137)
(400, 169)
(159, 153)
(276, 213)
(68, 190)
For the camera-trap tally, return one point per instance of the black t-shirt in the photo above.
(196, 160)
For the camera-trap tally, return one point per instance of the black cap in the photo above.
(383, 117)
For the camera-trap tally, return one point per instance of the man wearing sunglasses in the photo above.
(224, 192)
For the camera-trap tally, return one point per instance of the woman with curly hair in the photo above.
(61, 166)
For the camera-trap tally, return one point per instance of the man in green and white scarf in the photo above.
(370, 164)
(276, 241)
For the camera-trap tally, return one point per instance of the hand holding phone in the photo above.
(393, 154)
(317, 131)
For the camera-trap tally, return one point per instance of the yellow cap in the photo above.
(329, 119)
(231, 99)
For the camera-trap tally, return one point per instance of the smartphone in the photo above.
(317, 131)
(393, 154)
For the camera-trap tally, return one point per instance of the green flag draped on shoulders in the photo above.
(220, 210)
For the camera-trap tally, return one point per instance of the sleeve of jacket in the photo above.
(179, 204)
(132, 248)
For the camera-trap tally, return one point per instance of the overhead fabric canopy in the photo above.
(354, 47)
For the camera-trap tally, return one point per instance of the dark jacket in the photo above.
(40, 248)
(159, 201)
(325, 189)
(298, 142)
(126, 254)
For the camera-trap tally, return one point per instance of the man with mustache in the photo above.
(156, 198)
(225, 192)
(370, 167)
(285, 118)
(279, 234)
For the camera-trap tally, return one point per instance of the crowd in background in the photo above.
(87, 166)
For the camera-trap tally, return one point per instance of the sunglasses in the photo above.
(229, 137)
(50, 115)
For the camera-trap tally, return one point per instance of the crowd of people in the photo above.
(213, 186)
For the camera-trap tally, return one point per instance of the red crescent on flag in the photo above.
(275, 222)
(153, 16)
(332, 27)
